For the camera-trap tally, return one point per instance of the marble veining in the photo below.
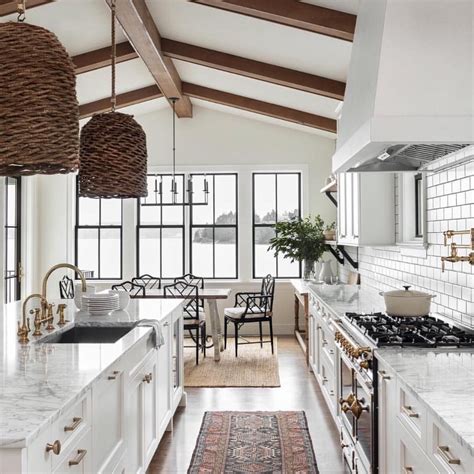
(442, 379)
(39, 381)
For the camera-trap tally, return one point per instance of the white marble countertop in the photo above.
(38, 380)
(443, 379)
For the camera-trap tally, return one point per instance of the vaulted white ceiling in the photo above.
(84, 25)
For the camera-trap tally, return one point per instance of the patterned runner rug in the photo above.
(266, 442)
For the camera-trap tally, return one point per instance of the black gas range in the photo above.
(427, 331)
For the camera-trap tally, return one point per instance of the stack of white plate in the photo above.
(100, 303)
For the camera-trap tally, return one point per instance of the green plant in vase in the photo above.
(300, 240)
(330, 231)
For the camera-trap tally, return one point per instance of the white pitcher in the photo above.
(326, 272)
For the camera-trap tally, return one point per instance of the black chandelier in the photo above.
(157, 194)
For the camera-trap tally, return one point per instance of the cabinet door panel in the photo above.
(341, 189)
(149, 415)
(355, 205)
(107, 411)
(134, 424)
(164, 379)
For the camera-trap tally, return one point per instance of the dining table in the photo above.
(211, 295)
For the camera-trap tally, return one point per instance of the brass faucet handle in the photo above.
(50, 318)
(23, 332)
(37, 321)
(61, 308)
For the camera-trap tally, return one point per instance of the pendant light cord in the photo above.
(113, 98)
(174, 137)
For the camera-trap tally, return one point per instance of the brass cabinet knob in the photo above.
(365, 364)
(343, 445)
(54, 447)
(357, 408)
(349, 400)
(148, 378)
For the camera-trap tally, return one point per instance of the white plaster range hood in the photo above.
(410, 82)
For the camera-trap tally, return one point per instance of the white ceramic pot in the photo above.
(407, 302)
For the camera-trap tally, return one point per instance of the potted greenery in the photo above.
(301, 240)
(330, 231)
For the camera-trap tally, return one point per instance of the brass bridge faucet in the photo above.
(454, 257)
(46, 311)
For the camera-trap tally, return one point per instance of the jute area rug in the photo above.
(254, 367)
(263, 442)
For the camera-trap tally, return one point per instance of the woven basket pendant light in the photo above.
(113, 151)
(39, 112)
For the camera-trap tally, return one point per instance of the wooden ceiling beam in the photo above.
(123, 100)
(99, 58)
(260, 107)
(138, 25)
(8, 7)
(293, 13)
(254, 69)
(222, 61)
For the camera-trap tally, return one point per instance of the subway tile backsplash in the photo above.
(450, 205)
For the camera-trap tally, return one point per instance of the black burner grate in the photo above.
(426, 331)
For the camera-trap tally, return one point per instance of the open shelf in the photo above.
(330, 187)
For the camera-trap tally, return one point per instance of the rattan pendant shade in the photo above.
(113, 157)
(113, 150)
(39, 112)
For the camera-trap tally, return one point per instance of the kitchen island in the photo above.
(57, 398)
(423, 396)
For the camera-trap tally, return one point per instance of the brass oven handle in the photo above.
(446, 456)
(55, 447)
(80, 456)
(408, 411)
(76, 421)
(357, 408)
(148, 378)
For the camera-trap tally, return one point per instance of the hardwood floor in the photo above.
(299, 391)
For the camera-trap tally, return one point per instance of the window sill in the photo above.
(414, 248)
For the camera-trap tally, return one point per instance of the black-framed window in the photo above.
(276, 197)
(419, 205)
(98, 237)
(214, 228)
(12, 239)
(160, 229)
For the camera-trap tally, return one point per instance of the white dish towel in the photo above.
(159, 339)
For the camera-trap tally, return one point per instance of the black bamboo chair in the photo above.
(134, 290)
(148, 281)
(191, 279)
(193, 316)
(252, 307)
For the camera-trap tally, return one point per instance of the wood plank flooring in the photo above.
(299, 391)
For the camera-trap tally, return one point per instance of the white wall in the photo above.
(450, 205)
(210, 140)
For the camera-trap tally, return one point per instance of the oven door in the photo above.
(363, 414)
(346, 394)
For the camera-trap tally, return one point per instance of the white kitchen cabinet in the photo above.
(366, 209)
(411, 440)
(116, 425)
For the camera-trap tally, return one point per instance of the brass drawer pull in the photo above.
(80, 456)
(446, 456)
(408, 411)
(325, 380)
(384, 375)
(148, 378)
(54, 447)
(113, 377)
(408, 470)
(76, 421)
